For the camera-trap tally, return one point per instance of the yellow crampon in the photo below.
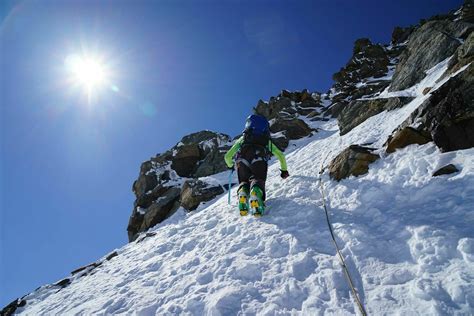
(255, 198)
(243, 204)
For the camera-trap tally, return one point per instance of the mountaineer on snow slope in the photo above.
(252, 152)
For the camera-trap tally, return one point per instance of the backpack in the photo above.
(257, 131)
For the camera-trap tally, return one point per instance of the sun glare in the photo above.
(86, 71)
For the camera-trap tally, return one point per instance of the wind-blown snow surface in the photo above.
(408, 239)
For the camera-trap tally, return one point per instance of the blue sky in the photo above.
(68, 164)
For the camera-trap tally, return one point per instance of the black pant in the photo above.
(252, 167)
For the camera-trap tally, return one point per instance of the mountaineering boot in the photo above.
(242, 194)
(257, 206)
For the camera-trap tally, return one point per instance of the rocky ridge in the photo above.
(374, 80)
(182, 176)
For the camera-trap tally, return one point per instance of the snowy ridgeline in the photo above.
(407, 237)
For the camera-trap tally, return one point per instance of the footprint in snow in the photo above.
(210, 224)
(303, 267)
(278, 248)
(249, 272)
(205, 278)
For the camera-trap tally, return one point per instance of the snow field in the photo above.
(407, 238)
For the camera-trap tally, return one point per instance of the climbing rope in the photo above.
(341, 258)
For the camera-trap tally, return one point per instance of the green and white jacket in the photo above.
(271, 148)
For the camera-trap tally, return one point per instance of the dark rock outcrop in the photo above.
(292, 128)
(286, 112)
(195, 191)
(83, 271)
(164, 206)
(336, 108)
(11, 308)
(448, 114)
(407, 136)
(358, 111)
(467, 11)
(463, 55)
(401, 34)
(353, 160)
(448, 169)
(368, 60)
(200, 154)
(428, 45)
(159, 185)
(366, 74)
(170, 180)
(184, 160)
(163, 203)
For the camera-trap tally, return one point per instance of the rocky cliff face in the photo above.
(379, 78)
(180, 176)
(375, 68)
(168, 180)
(376, 78)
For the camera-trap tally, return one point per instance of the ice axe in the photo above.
(230, 184)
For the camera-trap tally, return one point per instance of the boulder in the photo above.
(353, 160)
(184, 160)
(448, 169)
(161, 208)
(359, 110)
(427, 46)
(199, 154)
(212, 151)
(273, 108)
(212, 163)
(195, 191)
(146, 199)
(144, 183)
(163, 205)
(407, 136)
(293, 128)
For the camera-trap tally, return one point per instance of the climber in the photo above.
(252, 152)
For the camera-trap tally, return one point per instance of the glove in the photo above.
(230, 168)
(284, 174)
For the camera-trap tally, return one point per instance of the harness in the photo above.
(261, 153)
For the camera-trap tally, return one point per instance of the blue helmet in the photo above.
(257, 125)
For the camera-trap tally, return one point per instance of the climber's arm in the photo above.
(232, 151)
(277, 153)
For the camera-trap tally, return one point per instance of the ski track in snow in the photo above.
(407, 237)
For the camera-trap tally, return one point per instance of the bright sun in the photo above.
(86, 71)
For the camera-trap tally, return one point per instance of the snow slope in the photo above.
(407, 237)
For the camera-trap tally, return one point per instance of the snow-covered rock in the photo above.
(407, 237)
(159, 186)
